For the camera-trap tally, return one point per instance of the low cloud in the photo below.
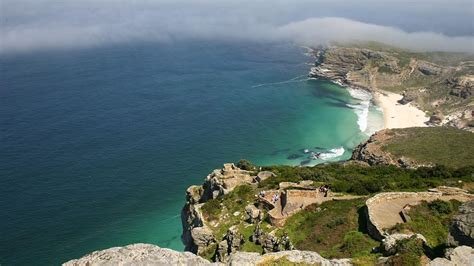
(50, 24)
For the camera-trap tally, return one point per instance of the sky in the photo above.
(422, 25)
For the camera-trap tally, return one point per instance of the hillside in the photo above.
(229, 213)
(439, 83)
(411, 147)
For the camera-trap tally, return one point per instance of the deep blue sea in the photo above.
(98, 145)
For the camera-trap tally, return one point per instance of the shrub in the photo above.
(358, 189)
(337, 221)
(441, 207)
(246, 165)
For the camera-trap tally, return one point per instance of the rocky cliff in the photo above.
(196, 236)
(436, 83)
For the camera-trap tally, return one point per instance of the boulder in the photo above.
(389, 243)
(202, 238)
(462, 255)
(461, 231)
(295, 256)
(263, 175)
(252, 214)
(138, 254)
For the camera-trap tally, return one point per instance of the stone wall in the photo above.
(383, 208)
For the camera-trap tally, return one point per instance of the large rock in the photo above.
(294, 256)
(146, 254)
(461, 231)
(389, 243)
(138, 254)
(217, 183)
(253, 214)
(202, 238)
(460, 256)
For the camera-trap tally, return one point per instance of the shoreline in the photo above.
(396, 115)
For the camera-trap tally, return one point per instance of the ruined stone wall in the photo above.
(444, 193)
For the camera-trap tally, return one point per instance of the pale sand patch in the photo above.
(397, 115)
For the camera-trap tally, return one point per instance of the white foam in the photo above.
(333, 153)
(361, 109)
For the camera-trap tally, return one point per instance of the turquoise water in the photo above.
(99, 145)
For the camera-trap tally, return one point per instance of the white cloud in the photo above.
(27, 25)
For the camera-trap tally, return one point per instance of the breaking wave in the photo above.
(332, 153)
(361, 109)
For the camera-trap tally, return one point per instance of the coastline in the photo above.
(397, 115)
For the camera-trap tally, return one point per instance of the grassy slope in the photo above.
(335, 229)
(432, 222)
(439, 145)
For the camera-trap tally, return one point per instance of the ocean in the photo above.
(98, 145)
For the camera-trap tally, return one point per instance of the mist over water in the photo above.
(424, 25)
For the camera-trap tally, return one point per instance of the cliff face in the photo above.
(372, 152)
(445, 90)
(197, 237)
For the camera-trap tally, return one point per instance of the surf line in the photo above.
(295, 79)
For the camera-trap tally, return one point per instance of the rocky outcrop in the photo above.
(253, 214)
(460, 256)
(147, 254)
(389, 243)
(371, 151)
(461, 231)
(232, 242)
(138, 254)
(197, 236)
(294, 256)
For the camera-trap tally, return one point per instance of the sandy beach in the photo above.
(397, 115)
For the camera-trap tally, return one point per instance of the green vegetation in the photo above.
(432, 221)
(408, 252)
(232, 202)
(335, 229)
(282, 261)
(361, 180)
(438, 145)
(246, 165)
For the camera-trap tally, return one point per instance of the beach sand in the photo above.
(397, 115)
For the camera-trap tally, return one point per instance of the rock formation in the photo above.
(147, 254)
(460, 256)
(389, 242)
(461, 231)
(197, 236)
(142, 254)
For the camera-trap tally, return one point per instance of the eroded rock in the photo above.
(461, 231)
